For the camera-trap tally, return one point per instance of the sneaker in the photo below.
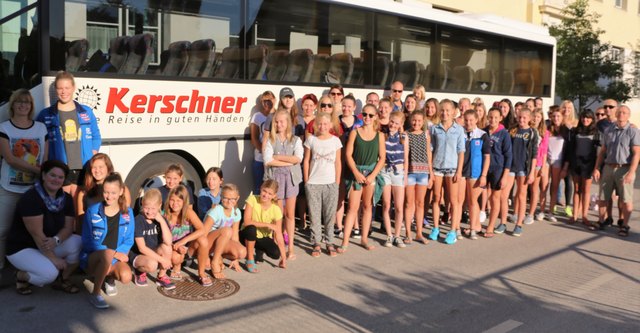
(98, 301)
(517, 231)
(165, 283)
(399, 242)
(458, 234)
(483, 216)
(473, 235)
(356, 234)
(140, 279)
(337, 232)
(110, 287)
(540, 216)
(435, 232)
(557, 210)
(501, 228)
(568, 211)
(451, 238)
(513, 218)
(551, 218)
(528, 220)
(445, 217)
(389, 242)
(426, 222)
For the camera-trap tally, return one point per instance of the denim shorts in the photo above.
(392, 178)
(421, 179)
(444, 172)
(520, 174)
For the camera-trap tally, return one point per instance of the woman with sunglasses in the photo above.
(583, 149)
(265, 106)
(336, 92)
(365, 156)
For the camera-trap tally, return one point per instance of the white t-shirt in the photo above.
(322, 166)
(27, 144)
(258, 118)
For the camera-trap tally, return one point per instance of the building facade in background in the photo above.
(620, 19)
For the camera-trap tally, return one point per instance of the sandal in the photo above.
(251, 266)
(341, 249)
(175, 275)
(316, 251)
(205, 281)
(331, 250)
(422, 240)
(488, 234)
(23, 287)
(367, 246)
(595, 226)
(65, 285)
(624, 231)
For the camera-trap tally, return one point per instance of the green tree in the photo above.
(583, 61)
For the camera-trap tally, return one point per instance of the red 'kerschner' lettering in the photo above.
(193, 103)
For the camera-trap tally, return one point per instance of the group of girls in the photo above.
(164, 233)
(459, 159)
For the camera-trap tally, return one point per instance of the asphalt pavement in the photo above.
(556, 277)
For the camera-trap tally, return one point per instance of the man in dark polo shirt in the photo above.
(620, 152)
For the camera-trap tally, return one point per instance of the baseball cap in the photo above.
(286, 91)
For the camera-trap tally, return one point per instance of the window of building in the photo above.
(617, 54)
(622, 4)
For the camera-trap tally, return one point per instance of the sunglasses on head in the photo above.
(370, 115)
(608, 106)
(323, 105)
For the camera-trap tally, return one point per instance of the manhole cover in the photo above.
(190, 290)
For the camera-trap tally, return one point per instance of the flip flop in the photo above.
(341, 249)
(205, 281)
(331, 250)
(488, 234)
(22, 287)
(251, 266)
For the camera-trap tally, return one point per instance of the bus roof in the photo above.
(482, 22)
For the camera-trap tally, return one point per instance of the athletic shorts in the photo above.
(444, 172)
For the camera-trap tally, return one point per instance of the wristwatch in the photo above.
(57, 239)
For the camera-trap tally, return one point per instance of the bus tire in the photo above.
(148, 171)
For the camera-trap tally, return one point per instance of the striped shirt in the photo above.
(395, 150)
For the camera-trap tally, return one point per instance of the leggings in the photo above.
(41, 270)
(568, 191)
(265, 244)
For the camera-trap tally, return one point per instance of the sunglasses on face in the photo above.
(600, 114)
(336, 94)
(608, 106)
(397, 91)
(323, 105)
(370, 115)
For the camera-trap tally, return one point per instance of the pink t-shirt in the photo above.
(543, 148)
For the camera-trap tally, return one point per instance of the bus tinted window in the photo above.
(310, 41)
(529, 65)
(470, 59)
(404, 52)
(19, 50)
(186, 38)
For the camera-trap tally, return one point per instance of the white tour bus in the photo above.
(178, 81)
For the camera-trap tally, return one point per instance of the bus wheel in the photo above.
(149, 173)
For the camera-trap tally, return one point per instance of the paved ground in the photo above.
(555, 278)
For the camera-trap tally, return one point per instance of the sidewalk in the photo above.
(556, 278)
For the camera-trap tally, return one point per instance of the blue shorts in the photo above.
(519, 174)
(418, 179)
(392, 178)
